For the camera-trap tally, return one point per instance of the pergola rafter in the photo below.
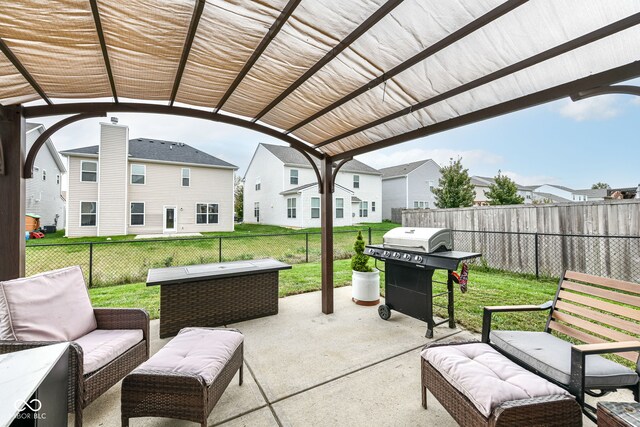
(193, 27)
(615, 75)
(457, 35)
(588, 38)
(342, 45)
(271, 34)
(22, 70)
(103, 46)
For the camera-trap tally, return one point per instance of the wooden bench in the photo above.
(601, 313)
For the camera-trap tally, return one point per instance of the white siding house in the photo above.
(146, 186)
(280, 188)
(481, 186)
(409, 186)
(43, 191)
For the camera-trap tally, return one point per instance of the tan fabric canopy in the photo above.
(341, 76)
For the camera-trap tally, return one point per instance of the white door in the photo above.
(170, 223)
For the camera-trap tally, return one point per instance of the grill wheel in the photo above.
(384, 311)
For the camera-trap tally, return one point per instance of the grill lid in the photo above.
(419, 238)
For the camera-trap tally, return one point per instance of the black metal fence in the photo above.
(539, 254)
(128, 261)
(548, 255)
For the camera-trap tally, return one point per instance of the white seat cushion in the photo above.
(486, 377)
(196, 351)
(101, 346)
(551, 356)
(53, 306)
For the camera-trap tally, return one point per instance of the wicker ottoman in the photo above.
(480, 387)
(185, 379)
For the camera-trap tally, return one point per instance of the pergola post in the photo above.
(326, 222)
(12, 192)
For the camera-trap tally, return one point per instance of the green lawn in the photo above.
(119, 262)
(485, 288)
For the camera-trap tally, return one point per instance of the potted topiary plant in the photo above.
(365, 280)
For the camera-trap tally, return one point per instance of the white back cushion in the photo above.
(52, 306)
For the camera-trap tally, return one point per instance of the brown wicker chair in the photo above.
(84, 389)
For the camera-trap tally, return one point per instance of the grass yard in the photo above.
(485, 288)
(124, 262)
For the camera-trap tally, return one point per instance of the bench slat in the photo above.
(602, 293)
(604, 281)
(601, 305)
(593, 328)
(589, 339)
(616, 322)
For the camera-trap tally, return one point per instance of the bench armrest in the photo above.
(489, 310)
(580, 352)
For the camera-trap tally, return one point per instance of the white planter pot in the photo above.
(365, 287)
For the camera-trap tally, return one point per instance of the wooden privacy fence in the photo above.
(599, 238)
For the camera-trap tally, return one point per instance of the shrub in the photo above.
(360, 261)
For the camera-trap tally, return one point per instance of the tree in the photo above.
(454, 188)
(503, 191)
(600, 186)
(238, 192)
(360, 261)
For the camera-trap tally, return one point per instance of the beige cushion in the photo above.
(486, 377)
(52, 306)
(101, 346)
(196, 351)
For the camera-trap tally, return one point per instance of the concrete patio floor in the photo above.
(303, 368)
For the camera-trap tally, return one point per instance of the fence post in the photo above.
(369, 235)
(307, 246)
(220, 249)
(535, 236)
(90, 265)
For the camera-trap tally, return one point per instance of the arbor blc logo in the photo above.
(29, 410)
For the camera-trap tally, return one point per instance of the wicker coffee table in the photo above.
(618, 414)
(210, 295)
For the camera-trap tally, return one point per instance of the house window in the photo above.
(293, 176)
(88, 214)
(258, 184)
(256, 211)
(88, 171)
(291, 208)
(44, 175)
(138, 173)
(206, 213)
(356, 181)
(186, 177)
(137, 213)
(315, 207)
(364, 209)
(339, 208)
(58, 179)
(373, 206)
(420, 205)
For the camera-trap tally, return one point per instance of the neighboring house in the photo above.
(593, 194)
(409, 186)
(280, 188)
(146, 186)
(482, 184)
(565, 193)
(44, 195)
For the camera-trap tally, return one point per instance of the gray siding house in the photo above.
(44, 195)
(146, 186)
(409, 186)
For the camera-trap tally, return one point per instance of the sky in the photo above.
(568, 143)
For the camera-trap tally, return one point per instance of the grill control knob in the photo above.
(418, 258)
(371, 251)
(396, 255)
(386, 253)
(407, 257)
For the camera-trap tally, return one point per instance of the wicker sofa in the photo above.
(106, 343)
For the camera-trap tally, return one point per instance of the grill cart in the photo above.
(411, 256)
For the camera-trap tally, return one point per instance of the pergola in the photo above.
(332, 78)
